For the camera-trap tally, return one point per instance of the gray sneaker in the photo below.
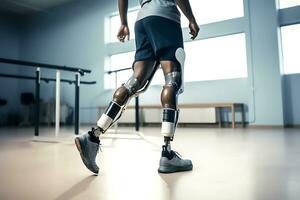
(171, 162)
(88, 151)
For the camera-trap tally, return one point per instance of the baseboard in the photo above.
(266, 126)
(292, 126)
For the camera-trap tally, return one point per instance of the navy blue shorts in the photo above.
(157, 38)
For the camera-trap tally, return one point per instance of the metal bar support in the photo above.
(57, 104)
(137, 114)
(37, 101)
(77, 87)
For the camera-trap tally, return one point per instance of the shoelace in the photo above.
(99, 147)
(177, 154)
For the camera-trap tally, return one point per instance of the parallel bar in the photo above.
(46, 79)
(43, 65)
(77, 85)
(57, 104)
(37, 101)
(137, 114)
(118, 70)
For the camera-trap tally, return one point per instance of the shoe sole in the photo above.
(170, 169)
(77, 142)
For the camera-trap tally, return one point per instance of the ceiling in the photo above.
(23, 7)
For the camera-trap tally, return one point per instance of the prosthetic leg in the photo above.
(138, 83)
(88, 144)
(173, 72)
(170, 161)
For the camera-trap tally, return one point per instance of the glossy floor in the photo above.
(240, 164)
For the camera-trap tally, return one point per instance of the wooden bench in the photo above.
(218, 106)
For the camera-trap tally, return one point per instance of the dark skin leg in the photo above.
(142, 71)
(168, 94)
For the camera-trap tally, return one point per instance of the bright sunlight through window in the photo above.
(115, 23)
(125, 60)
(216, 58)
(118, 61)
(291, 48)
(208, 11)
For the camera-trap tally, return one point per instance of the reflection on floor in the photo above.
(240, 164)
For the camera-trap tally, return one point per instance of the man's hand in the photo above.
(123, 33)
(194, 29)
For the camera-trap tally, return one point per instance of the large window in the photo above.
(288, 3)
(118, 61)
(125, 60)
(207, 11)
(216, 58)
(114, 25)
(291, 48)
(210, 59)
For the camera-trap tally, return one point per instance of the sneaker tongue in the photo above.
(168, 148)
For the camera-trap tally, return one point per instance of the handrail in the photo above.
(46, 79)
(118, 70)
(44, 65)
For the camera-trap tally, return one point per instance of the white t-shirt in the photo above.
(162, 8)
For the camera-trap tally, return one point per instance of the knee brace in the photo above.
(174, 79)
(123, 94)
(171, 89)
(112, 113)
(170, 118)
(134, 86)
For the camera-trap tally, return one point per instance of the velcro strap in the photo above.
(112, 110)
(169, 115)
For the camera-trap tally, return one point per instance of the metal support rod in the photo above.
(43, 65)
(77, 85)
(57, 104)
(137, 114)
(47, 80)
(116, 126)
(37, 101)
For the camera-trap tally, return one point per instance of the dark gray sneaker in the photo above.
(171, 162)
(88, 151)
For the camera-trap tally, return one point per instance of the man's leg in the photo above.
(170, 162)
(88, 144)
(143, 73)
